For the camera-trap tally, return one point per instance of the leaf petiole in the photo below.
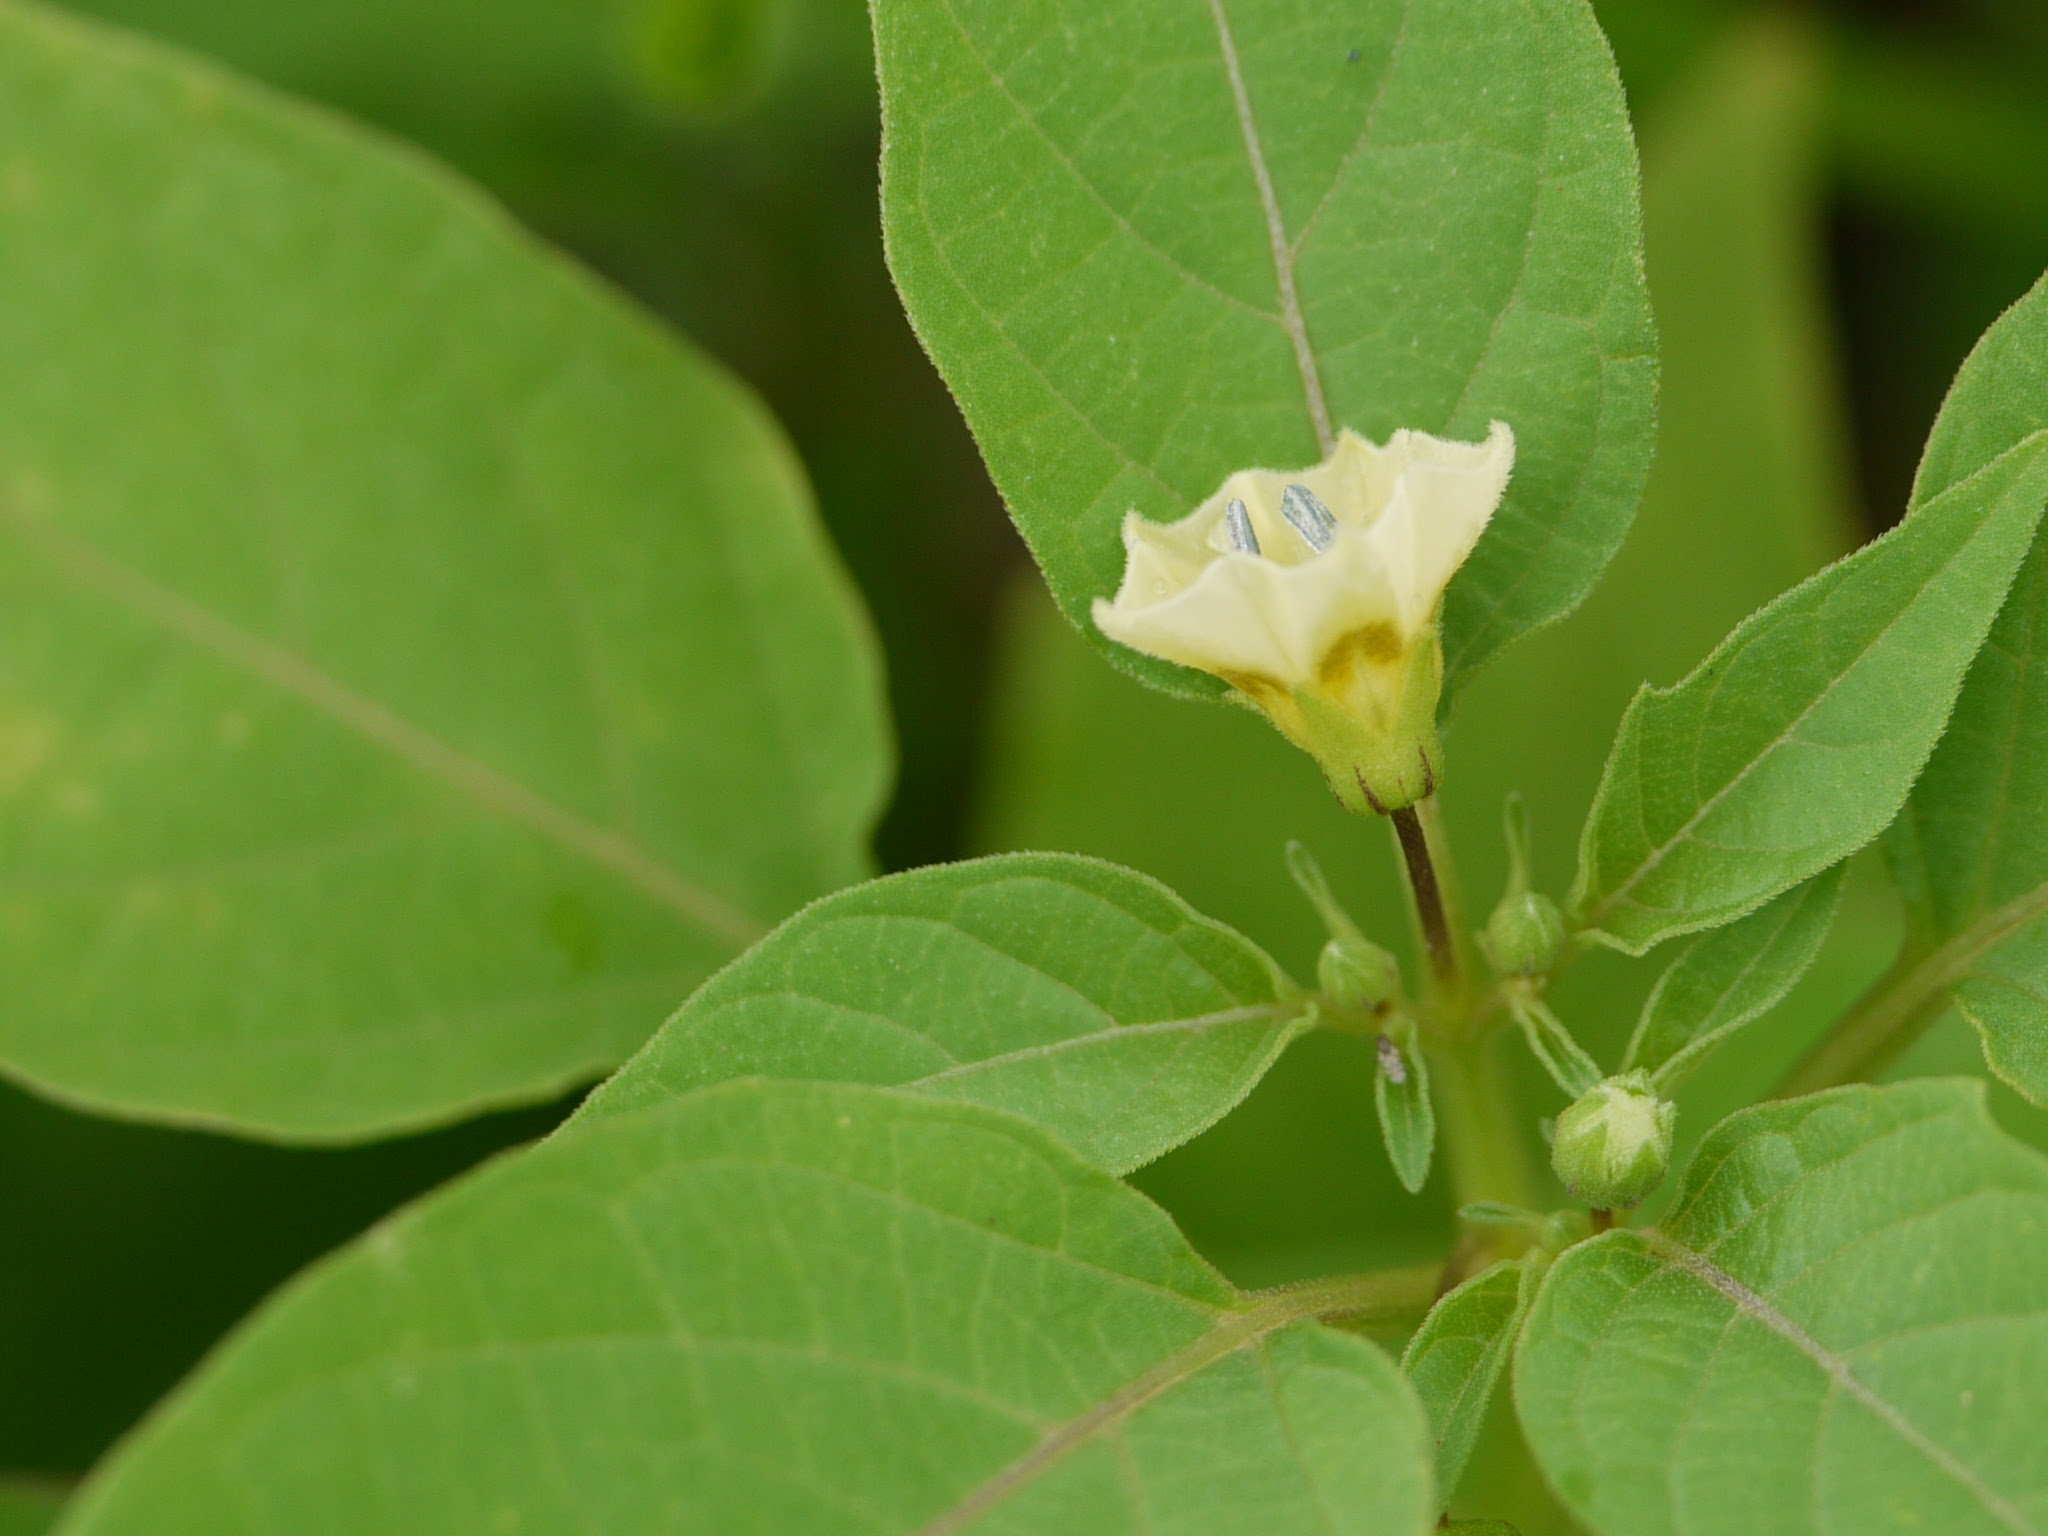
(1902, 1004)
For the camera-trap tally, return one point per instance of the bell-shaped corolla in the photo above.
(1315, 594)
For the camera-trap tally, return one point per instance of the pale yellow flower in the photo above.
(1315, 594)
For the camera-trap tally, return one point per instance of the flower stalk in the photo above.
(1430, 913)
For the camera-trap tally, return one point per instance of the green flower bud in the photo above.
(1613, 1146)
(1525, 935)
(1357, 973)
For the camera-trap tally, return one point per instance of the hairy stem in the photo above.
(1906, 1000)
(1377, 1296)
(1431, 912)
(1484, 1148)
(1888, 1018)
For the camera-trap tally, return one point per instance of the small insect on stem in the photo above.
(1391, 1062)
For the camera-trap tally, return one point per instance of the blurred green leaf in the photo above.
(713, 54)
(1456, 1357)
(419, 669)
(1972, 847)
(1799, 738)
(1932, 130)
(1150, 247)
(1841, 1326)
(1725, 979)
(1080, 996)
(786, 1308)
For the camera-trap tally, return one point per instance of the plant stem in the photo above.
(1431, 914)
(1379, 1295)
(1906, 1000)
(1887, 1019)
(1484, 1149)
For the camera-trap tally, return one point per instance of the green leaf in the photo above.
(1083, 997)
(1730, 977)
(1480, 1528)
(1149, 245)
(1798, 739)
(418, 669)
(782, 1308)
(1407, 1118)
(1843, 1326)
(1455, 1359)
(1554, 1046)
(1972, 846)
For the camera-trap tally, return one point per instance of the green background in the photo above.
(1827, 235)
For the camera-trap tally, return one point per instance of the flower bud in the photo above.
(1525, 935)
(1613, 1146)
(1357, 973)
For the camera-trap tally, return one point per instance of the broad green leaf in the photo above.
(1841, 1327)
(1083, 997)
(1456, 1357)
(28, 1508)
(1407, 1118)
(417, 669)
(1798, 739)
(782, 1308)
(1725, 979)
(1152, 244)
(1480, 1528)
(1972, 847)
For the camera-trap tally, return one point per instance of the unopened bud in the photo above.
(1613, 1146)
(1525, 935)
(1357, 973)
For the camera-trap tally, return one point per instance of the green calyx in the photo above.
(1357, 973)
(1375, 739)
(1612, 1148)
(1525, 936)
(1352, 971)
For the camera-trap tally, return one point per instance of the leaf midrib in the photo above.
(1750, 1304)
(1277, 1013)
(1239, 1330)
(1291, 317)
(373, 722)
